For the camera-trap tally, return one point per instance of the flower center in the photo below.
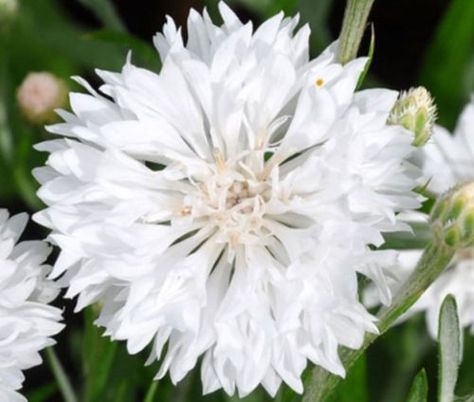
(237, 193)
(232, 199)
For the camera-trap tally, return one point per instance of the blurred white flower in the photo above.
(447, 160)
(26, 320)
(39, 95)
(457, 280)
(225, 205)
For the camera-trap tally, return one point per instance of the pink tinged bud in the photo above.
(39, 95)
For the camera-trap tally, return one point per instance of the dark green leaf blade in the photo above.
(354, 387)
(419, 389)
(370, 56)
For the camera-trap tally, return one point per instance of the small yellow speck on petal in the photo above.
(186, 211)
(319, 82)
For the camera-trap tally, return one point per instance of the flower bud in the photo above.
(39, 95)
(416, 111)
(453, 216)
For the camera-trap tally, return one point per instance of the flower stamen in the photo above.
(221, 165)
(319, 82)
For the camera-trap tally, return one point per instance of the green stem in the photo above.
(434, 260)
(60, 376)
(353, 27)
(150, 395)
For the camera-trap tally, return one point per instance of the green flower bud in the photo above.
(453, 217)
(416, 111)
(39, 95)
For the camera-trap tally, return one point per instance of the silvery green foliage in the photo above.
(450, 349)
(450, 357)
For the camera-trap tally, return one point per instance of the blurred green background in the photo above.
(428, 42)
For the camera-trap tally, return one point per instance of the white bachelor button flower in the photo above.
(26, 320)
(448, 160)
(225, 205)
(457, 280)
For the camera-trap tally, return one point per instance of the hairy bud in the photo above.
(416, 111)
(453, 216)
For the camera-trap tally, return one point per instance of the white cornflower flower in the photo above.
(26, 320)
(457, 280)
(447, 160)
(224, 206)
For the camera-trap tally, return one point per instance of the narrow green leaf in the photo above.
(96, 371)
(105, 11)
(370, 55)
(419, 389)
(61, 376)
(446, 66)
(421, 236)
(449, 338)
(150, 395)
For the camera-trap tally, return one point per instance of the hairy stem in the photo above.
(434, 260)
(353, 27)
